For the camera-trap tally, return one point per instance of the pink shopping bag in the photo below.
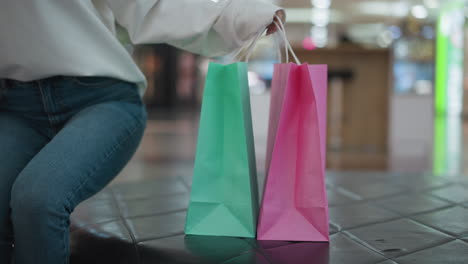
(294, 205)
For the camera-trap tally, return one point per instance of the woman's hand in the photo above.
(272, 27)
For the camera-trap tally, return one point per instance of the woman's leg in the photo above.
(87, 153)
(19, 142)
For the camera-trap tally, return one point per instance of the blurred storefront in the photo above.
(385, 81)
(173, 76)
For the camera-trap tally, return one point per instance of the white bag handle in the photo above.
(287, 45)
(253, 43)
(249, 50)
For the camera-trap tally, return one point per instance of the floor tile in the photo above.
(457, 193)
(344, 250)
(357, 215)
(154, 205)
(451, 220)
(399, 237)
(187, 178)
(420, 182)
(193, 249)
(108, 243)
(145, 189)
(388, 262)
(248, 258)
(345, 178)
(454, 252)
(267, 244)
(114, 229)
(372, 190)
(333, 229)
(152, 227)
(413, 203)
(335, 197)
(292, 252)
(144, 171)
(105, 194)
(94, 211)
(163, 167)
(302, 252)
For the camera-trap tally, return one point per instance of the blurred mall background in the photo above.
(396, 82)
(397, 143)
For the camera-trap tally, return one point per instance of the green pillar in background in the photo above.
(449, 87)
(450, 56)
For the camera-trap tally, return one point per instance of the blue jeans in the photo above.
(62, 139)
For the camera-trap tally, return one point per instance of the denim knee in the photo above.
(36, 207)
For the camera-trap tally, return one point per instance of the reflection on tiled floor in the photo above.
(375, 217)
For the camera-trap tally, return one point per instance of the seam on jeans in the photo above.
(144, 113)
(44, 106)
(59, 98)
(66, 250)
(112, 151)
(90, 175)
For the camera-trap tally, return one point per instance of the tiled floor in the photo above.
(143, 222)
(375, 217)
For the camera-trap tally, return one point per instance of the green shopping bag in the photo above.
(224, 196)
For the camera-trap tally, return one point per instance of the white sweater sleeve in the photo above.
(206, 27)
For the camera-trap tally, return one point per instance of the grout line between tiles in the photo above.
(364, 244)
(150, 196)
(407, 217)
(405, 190)
(348, 193)
(392, 260)
(187, 186)
(425, 192)
(427, 225)
(425, 248)
(463, 235)
(418, 213)
(368, 224)
(397, 217)
(433, 210)
(427, 188)
(80, 226)
(260, 251)
(160, 237)
(243, 254)
(379, 198)
(253, 249)
(381, 262)
(458, 236)
(335, 225)
(135, 246)
(446, 200)
(461, 239)
(157, 214)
